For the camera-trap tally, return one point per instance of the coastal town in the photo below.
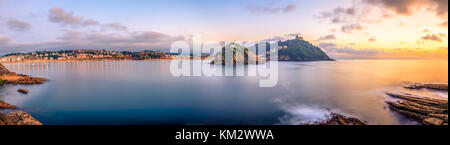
(81, 55)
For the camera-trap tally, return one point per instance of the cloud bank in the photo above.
(434, 37)
(271, 8)
(18, 25)
(61, 16)
(113, 36)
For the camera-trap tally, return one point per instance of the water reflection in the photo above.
(144, 92)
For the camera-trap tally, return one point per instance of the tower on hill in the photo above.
(298, 38)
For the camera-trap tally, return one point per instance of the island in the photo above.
(299, 49)
(296, 49)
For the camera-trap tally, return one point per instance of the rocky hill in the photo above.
(241, 55)
(290, 50)
(300, 50)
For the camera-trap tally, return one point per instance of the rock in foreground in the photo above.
(13, 78)
(426, 110)
(21, 118)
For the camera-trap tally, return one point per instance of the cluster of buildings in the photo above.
(84, 55)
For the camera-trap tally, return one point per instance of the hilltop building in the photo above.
(298, 38)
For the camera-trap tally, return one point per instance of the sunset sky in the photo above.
(342, 28)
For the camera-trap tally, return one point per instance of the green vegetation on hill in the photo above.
(300, 50)
(290, 50)
(241, 55)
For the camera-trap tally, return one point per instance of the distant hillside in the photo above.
(290, 50)
(300, 50)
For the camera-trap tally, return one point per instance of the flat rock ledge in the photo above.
(18, 118)
(338, 119)
(13, 78)
(428, 111)
(411, 85)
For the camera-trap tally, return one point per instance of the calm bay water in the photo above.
(144, 92)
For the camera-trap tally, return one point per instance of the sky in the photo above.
(342, 28)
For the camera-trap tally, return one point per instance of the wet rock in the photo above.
(411, 85)
(22, 118)
(23, 91)
(4, 105)
(427, 110)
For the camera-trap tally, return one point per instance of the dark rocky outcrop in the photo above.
(13, 78)
(426, 110)
(8, 77)
(337, 119)
(4, 105)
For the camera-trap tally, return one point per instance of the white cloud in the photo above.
(59, 15)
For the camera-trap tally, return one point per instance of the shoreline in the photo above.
(83, 60)
(118, 60)
(14, 115)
